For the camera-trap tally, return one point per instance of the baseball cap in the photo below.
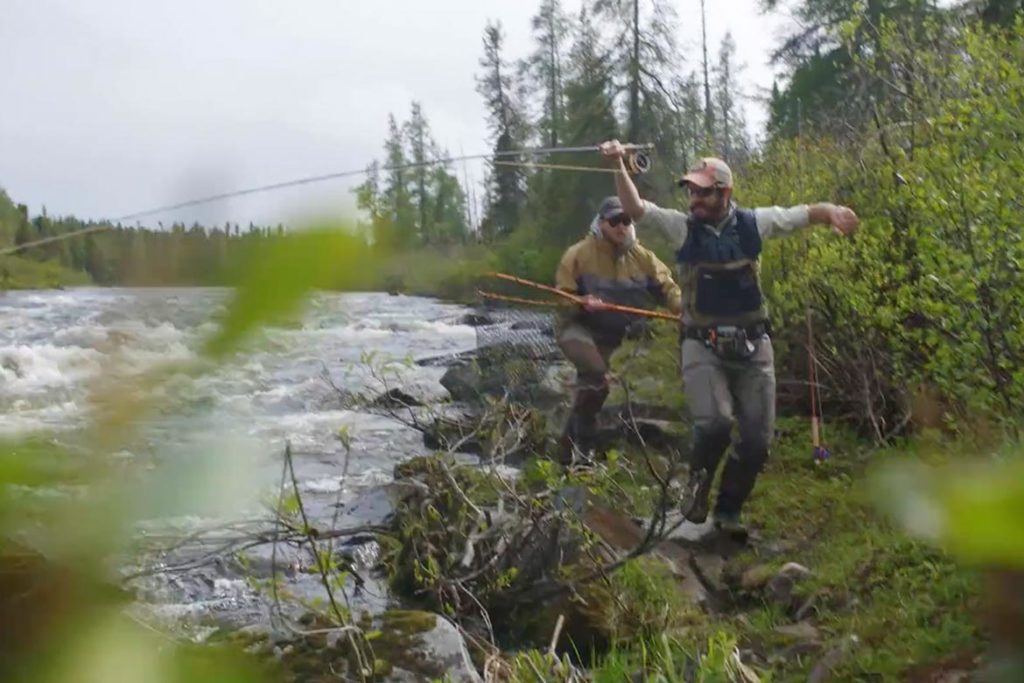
(610, 206)
(709, 172)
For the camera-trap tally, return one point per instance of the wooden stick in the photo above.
(579, 300)
(518, 300)
(556, 635)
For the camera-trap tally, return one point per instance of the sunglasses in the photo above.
(702, 192)
(620, 219)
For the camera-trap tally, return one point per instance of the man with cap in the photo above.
(726, 356)
(608, 265)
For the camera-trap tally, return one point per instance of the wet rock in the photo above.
(396, 398)
(622, 535)
(406, 646)
(446, 360)
(465, 382)
(453, 435)
(557, 378)
(476, 320)
(504, 370)
(543, 326)
(422, 646)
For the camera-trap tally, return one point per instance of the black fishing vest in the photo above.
(720, 274)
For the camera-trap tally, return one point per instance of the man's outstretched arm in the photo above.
(776, 221)
(842, 218)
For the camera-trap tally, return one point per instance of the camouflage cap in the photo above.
(708, 172)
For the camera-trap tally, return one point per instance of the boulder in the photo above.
(447, 434)
(780, 587)
(406, 646)
(422, 646)
(476, 320)
(517, 371)
(396, 398)
(545, 327)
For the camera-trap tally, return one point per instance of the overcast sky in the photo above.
(115, 106)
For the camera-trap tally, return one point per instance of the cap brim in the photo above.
(698, 179)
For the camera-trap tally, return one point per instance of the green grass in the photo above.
(909, 605)
(906, 602)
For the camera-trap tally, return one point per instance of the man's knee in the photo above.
(713, 427)
(755, 438)
(586, 358)
(591, 381)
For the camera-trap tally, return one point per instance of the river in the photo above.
(54, 345)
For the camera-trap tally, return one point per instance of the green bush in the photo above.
(923, 300)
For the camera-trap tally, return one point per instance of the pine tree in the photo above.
(506, 185)
(395, 197)
(544, 69)
(420, 150)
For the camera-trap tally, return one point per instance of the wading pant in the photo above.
(718, 393)
(590, 359)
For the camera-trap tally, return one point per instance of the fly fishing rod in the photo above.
(638, 159)
(638, 162)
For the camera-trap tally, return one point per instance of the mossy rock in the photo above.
(404, 645)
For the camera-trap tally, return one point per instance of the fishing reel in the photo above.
(638, 162)
(638, 159)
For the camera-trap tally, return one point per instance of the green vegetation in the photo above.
(61, 618)
(893, 606)
(910, 113)
(19, 273)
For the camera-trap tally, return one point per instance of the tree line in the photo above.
(128, 255)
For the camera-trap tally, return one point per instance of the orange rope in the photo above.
(579, 300)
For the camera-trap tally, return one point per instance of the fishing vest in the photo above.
(720, 274)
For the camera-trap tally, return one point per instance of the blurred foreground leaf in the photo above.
(975, 511)
(279, 273)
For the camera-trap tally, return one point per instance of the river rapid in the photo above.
(292, 384)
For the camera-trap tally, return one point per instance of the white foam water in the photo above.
(54, 346)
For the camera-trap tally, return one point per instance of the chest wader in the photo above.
(728, 367)
(590, 358)
(589, 339)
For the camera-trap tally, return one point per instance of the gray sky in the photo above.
(115, 106)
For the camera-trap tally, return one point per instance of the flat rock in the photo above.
(800, 631)
(623, 534)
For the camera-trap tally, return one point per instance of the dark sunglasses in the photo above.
(702, 192)
(620, 219)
